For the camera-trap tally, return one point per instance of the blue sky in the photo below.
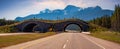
(10, 9)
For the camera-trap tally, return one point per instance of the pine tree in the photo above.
(115, 19)
(103, 21)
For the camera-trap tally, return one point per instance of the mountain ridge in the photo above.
(69, 11)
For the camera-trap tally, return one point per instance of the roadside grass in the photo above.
(107, 35)
(104, 33)
(16, 39)
(8, 28)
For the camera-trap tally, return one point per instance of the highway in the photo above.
(67, 41)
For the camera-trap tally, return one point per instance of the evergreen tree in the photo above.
(103, 21)
(112, 22)
(115, 19)
(6, 22)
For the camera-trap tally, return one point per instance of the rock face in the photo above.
(69, 12)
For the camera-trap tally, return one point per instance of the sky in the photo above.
(10, 9)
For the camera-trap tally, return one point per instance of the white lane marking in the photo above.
(65, 44)
(94, 42)
(67, 40)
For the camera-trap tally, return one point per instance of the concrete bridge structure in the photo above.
(39, 26)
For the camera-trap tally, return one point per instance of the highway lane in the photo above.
(67, 41)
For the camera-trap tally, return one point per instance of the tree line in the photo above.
(110, 22)
(6, 22)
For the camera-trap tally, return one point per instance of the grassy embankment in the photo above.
(16, 39)
(104, 33)
(8, 28)
(12, 28)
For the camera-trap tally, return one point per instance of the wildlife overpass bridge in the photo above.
(37, 25)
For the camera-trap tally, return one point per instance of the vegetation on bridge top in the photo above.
(54, 21)
(11, 27)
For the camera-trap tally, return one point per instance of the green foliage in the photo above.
(7, 29)
(6, 22)
(54, 21)
(100, 27)
(16, 39)
(115, 19)
(110, 22)
(96, 28)
(108, 35)
(104, 21)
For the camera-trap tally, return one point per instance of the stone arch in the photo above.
(38, 28)
(29, 27)
(73, 23)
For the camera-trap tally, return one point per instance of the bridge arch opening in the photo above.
(29, 27)
(72, 27)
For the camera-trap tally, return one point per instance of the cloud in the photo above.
(50, 4)
(34, 8)
(78, 3)
(25, 8)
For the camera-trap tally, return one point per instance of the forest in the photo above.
(110, 22)
(6, 22)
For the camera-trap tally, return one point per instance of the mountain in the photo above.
(69, 12)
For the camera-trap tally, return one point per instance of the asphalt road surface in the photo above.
(67, 41)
